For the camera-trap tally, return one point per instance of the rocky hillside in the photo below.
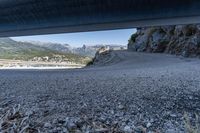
(10, 49)
(105, 56)
(181, 40)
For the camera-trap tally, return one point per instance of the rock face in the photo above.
(181, 40)
(104, 56)
(101, 56)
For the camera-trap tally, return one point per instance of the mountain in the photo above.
(53, 46)
(66, 48)
(10, 49)
(85, 50)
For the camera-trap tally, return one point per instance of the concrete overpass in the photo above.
(31, 17)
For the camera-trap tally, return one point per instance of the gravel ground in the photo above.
(138, 93)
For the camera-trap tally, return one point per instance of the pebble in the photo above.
(121, 107)
(59, 129)
(148, 125)
(29, 113)
(47, 125)
(71, 125)
(173, 115)
(127, 129)
(140, 129)
(65, 130)
(101, 130)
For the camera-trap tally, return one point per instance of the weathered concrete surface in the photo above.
(28, 17)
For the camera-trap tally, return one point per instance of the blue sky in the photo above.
(88, 38)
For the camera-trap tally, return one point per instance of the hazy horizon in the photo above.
(84, 38)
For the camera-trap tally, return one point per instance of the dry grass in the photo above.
(14, 122)
(189, 127)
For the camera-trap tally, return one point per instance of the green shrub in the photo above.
(133, 37)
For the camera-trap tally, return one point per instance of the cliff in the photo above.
(181, 40)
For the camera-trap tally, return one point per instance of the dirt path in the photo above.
(140, 92)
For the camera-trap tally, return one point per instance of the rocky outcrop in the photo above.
(181, 40)
(104, 56)
(101, 56)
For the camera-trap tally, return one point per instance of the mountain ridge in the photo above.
(11, 49)
(85, 50)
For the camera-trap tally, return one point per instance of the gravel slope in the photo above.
(140, 93)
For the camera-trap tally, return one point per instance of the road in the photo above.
(132, 92)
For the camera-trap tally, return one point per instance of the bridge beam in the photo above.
(34, 17)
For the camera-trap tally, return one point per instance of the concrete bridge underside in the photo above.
(32, 17)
